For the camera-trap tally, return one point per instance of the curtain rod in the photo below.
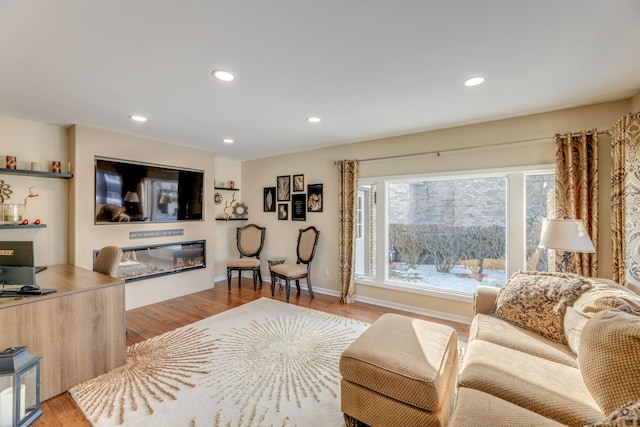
(497, 144)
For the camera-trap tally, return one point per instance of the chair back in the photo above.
(307, 243)
(250, 240)
(108, 260)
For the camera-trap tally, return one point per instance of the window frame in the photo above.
(515, 200)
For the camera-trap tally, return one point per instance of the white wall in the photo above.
(227, 170)
(635, 103)
(36, 142)
(318, 167)
(85, 143)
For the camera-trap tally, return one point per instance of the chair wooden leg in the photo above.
(309, 285)
(288, 288)
(239, 277)
(255, 278)
(298, 286)
(229, 278)
(260, 276)
(273, 285)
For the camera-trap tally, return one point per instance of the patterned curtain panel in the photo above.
(577, 190)
(625, 199)
(347, 198)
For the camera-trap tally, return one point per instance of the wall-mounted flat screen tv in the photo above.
(139, 192)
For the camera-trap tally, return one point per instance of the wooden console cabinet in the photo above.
(79, 331)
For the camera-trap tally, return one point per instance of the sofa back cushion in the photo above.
(603, 295)
(537, 301)
(609, 358)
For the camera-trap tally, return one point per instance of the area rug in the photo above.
(265, 363)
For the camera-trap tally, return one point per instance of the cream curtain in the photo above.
(625, 194)
(347, 199)
(577, 190)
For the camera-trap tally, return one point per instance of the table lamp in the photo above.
(131, 198)
(565, 235)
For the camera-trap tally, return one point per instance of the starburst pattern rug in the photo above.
(265, 363)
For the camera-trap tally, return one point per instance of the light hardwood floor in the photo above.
(155, 319)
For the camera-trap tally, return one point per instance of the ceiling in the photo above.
(368, 68)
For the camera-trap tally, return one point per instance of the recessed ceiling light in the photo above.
(138, 118)
(228, 141)
(313, 119)
(474, 81)
(223, 75)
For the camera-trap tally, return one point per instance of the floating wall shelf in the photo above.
(36, 173)
(226, 188)
(16, 226)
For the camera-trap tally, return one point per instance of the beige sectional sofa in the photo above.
(551, 350)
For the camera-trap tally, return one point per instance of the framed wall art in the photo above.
(283, 211)
(314, 198)
(298, 182)
(269, 199)
(299, 207)
(283, 188)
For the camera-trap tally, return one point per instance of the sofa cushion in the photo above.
(551, 389)
(609, 358)
(478, 409)
(603, 295)
(628, 415)
(498, 331)
(537, 301)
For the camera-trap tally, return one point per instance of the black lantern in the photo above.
(19, 387)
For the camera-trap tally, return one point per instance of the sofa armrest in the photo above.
(485, 299)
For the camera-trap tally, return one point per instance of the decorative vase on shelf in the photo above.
(12, 213)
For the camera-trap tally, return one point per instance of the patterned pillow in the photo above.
(609, 358)
(628, 415)
(538, 300)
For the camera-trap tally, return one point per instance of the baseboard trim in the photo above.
(382, 303)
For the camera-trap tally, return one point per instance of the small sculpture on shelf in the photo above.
(228, 205)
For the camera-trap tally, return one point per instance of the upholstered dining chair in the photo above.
(108, 260)
(249, 240)
(307, 243)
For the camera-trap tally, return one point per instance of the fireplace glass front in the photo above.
(144, 262)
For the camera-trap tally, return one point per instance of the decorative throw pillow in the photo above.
(604, 294)
(537, 301)
(609, 358)
(628, 415)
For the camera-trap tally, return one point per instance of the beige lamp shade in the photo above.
(131, 197)
(568, 235)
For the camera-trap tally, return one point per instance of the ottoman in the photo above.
(400, 372)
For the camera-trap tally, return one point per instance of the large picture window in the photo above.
(453, 232)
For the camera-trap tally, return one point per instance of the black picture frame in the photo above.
(283, 211)
(299, 207)
(269, 199)
(314, 198)
(283, 188)
(298, 183)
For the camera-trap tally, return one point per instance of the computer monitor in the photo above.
(16, 263)
(16, 253)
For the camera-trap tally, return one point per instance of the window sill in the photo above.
(422, 289)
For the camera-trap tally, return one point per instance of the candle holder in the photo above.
(19, 387)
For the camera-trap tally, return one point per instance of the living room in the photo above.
(67, 207)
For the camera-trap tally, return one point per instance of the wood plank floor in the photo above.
(155, 319)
